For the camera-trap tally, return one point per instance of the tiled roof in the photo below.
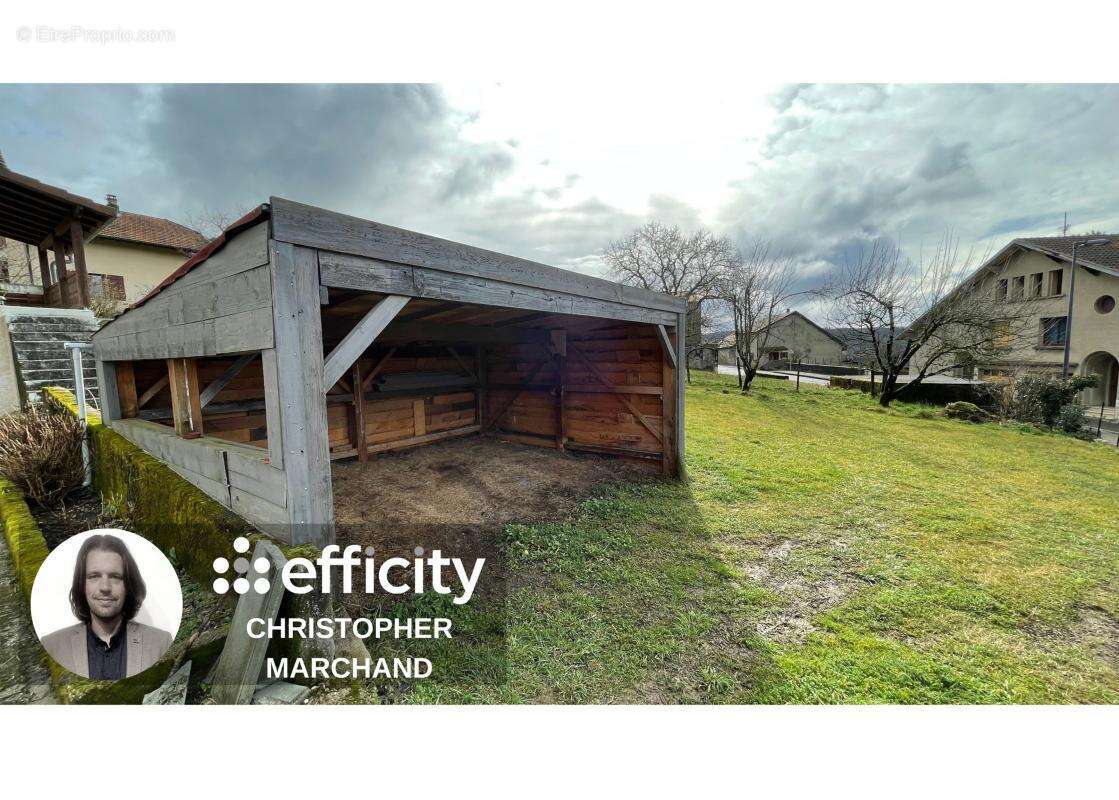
(154, 231)
(1106, 255)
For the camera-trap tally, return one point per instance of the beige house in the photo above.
(793, 337)
(126, 258)
(134, 252)
(1033, 275)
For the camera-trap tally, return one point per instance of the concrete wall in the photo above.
(9, 384)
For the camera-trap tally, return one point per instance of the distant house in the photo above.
(793, 337)
(134, 252)
(1034, 275)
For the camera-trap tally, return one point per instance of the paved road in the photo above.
(818, 380)
(23, 675)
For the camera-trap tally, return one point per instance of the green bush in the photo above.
(1042, 400)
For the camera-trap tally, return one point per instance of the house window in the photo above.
(1018, 288)
(1053, 331)
(1000, 335)
(1000, 291)
(1056, 282)
(1105, 304)
(1036, 281)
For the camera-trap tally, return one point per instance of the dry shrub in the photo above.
(41, 453)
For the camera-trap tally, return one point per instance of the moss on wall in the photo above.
(26, 544)
(165, 508)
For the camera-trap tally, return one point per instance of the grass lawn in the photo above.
(823, 551)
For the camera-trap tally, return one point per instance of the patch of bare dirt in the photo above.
(476, 481)
(1098, 630)
(805, 597)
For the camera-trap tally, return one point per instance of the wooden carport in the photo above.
(303, 335)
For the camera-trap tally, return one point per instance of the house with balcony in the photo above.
(62, 258)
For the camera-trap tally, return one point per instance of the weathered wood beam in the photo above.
(44, 267)
(182, 376)
(380, 365)
(219, 383)
(298, 375)
(460, 334)
(559, 348)
(77, 246)
(360, 442)
(363, 334)
(126, 389)
(152, 391)
(633, 409)
(669, 376)
(667, 345)
(505, 290)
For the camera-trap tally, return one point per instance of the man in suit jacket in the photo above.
(106, 593)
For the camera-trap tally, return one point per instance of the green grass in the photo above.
(824, 550)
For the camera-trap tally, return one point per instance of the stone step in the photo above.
(40, 325)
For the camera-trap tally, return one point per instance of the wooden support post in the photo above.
(559, 348)
(668, 404)
(186, 411)
(44, 268)
(60, 269)
(360, 441)
(419, 416)
(126, 390)
(298, 376)
(483, 381)
(77, 247)
(678, 428)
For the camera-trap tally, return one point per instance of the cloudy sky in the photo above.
(552, 172)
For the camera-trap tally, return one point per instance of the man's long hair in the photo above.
(134, 588)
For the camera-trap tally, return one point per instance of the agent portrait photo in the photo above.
(106, 592)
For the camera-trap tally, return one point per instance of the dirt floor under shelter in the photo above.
(476, 482)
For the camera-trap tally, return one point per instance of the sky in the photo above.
(554, 171)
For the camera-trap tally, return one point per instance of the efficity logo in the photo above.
(241, 566)
(395, 575)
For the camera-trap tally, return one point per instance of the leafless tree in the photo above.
(663, 258)
(907, 307)
(755, 289)
(210, 222)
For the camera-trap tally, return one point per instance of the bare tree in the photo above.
(663, 258)
(912, 314)
(755, 288)
(210, 222)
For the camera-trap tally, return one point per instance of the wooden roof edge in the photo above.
(310, 226)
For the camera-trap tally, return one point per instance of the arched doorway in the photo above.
(1107, 367)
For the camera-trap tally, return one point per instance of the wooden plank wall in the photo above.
(405, 418)
(525, 385)
(624, 354)
(224, 305)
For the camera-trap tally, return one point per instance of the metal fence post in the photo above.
(75, 349)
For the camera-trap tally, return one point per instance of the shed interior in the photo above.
(559, 381)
